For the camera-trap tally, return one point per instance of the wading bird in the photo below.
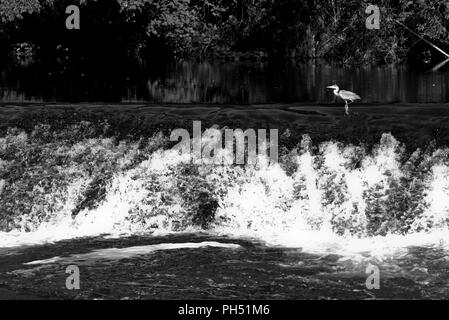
(345, 95)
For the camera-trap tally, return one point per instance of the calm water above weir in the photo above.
(188, 82)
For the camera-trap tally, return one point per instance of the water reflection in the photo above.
(208, 82)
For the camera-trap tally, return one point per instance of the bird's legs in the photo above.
(347, 108)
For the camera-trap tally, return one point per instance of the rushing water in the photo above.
(144, 221)
(207, 82)
(345, 206)
(59, 184)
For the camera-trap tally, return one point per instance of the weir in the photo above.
(337, 190)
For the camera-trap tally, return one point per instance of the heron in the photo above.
(345, 95)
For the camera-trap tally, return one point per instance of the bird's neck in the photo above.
(336, 91)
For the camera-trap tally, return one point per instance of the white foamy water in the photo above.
(129, 252)
(341, 198)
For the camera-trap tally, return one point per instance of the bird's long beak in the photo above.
(330, 87)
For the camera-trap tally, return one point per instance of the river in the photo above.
(96, 185)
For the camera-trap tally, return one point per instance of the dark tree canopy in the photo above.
(231, 29)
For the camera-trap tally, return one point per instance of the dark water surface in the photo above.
(210, 82)
(251, 271)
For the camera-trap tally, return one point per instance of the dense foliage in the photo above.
(233, 29)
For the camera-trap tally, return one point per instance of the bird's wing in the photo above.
(349, 95)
